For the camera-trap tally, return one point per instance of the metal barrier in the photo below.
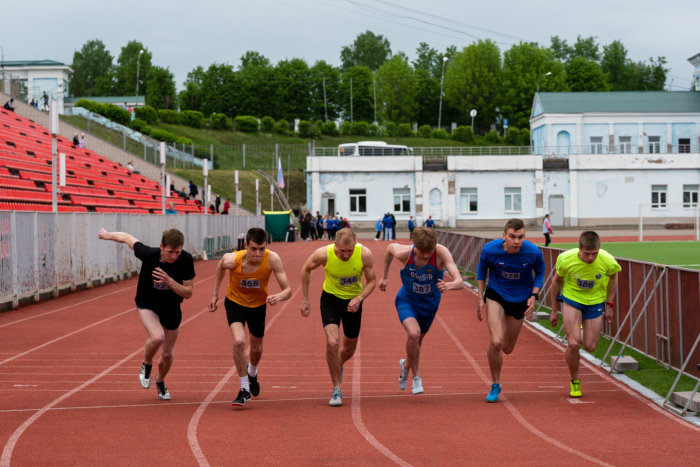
(44, 252)
(657, 310)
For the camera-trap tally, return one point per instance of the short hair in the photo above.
(589, 240)
(424, 239)
(172, 238)
(546, 215)
(256, 235)
(515, 224)
(346, 235)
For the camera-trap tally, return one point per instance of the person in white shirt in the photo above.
(82, 141)
(546, 230)
(132, 169)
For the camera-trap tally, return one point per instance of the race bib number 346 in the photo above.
(250, 283)
(345, 281)
(585, 284)
(421, 289)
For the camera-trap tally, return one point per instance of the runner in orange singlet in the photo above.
(246, 302)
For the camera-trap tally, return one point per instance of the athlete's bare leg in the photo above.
(413, 345)
(156, 334)
(256, 348)
(503, 335)
(348, 349)
(572, 326)
(332, 353)
(591, 332)
(167, 354)
(239, 358)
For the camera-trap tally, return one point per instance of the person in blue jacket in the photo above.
(411, 226)
(388, 226)
(378, 227)
(429, 222)
(515, 271)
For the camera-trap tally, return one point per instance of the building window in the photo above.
(596, 145)
(690, 196)
(654, 144)
(626, 144)
(513, 200)
(358, 201)
(658, 196)
(468, 201)
(684, 145)
(402, 200)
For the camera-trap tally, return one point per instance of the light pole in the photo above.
(538, 79)
(374, 82)
(89, 86)
(138, 65)
(444, 61)
(325, 103)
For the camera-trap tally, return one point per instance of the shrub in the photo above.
(346, 128)
(183, 140)
(219, 122)
(404, 130)
(329, 129)
(424, 131)
(439, 134)
(116, 114)
(373, 130)
(267, 125)
(390, 128)
(92, 106)
(162, 135)
(193, 118)
(138, 125)
(304, 128)
(463, 134)
(282, 127)
(525, 137)
(360, 129)
(147, 114)
(513, 136)
(169, 116)
(492, 137)
(246, 124)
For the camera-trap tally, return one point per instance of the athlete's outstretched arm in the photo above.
(388, 258)
(370, 276)
(449, 262)
(276, 267)
(318, 258)
(554, 294)
(226, 262)
(119, 237)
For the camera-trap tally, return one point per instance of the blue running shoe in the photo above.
(495, 392)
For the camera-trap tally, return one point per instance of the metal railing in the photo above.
(449, 151)
(599, 148)
(46, 252)
(656, 308)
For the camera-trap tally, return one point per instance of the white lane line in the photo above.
(357, 413)
(512, 409)
(66, 307)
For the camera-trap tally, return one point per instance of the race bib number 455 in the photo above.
(345, 281)
(250, 283)
(421, 289)
(585, 284)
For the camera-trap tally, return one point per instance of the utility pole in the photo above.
(444, 61)
(374, 82)
(138, 69)
(325, 103)
(351, 121)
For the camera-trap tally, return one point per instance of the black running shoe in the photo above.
(254, 385)
(243, 396)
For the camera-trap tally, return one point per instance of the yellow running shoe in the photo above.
(575, 388)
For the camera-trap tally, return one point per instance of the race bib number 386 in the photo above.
(250, 283)
(585, 284)
(345, 281)
(421, 289)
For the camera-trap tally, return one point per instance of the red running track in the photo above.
(70, 392)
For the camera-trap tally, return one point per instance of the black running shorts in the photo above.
(170, 319)
(514, 309)
(334, 310)
(254, 317)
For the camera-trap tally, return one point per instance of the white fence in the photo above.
(44, 252)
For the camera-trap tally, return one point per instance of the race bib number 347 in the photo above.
(250, 283)
(585, 284)
(345, 281)
(421, 289)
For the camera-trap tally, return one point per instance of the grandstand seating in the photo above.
(93, 182)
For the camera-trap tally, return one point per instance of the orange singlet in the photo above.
(249, 289)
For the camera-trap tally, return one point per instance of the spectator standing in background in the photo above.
(217, 202)
(304, 225)
(378, 227)
(411, 226)
(393, 231)
(76, 140)
(46, 101)
(313, 226)
(430, 223)
(193, 190)
(171, 209)
(546, 230)
(342, 223)
(319, 225)
(227, 206)
(347, 224)
(388, 226)
(81, 143)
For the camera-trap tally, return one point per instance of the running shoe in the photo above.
(242, 397)
(254, 385)
(575, 388)
(341, 374)
(145, 376)
(163, 393)
(403, 376)
(494, 393)
(336, 398)
(417, 385)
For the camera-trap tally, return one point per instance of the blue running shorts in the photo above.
(589, 311)
(407, 309)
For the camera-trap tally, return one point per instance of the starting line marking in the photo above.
(576, 401)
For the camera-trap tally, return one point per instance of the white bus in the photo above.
(373, 148)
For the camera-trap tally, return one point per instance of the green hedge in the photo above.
(492, 137)
(267, 125)
(424, 131)
(404, 130)
(329, 129)
(374, 130)
(183, 140)
(304, 129)
(246, 123)
(390, 129)
(192, 118)
(162, 135)
(169, 116)
(219, 122)
(439, 134)
(140, 126)
(109, 111)
(512, 136)
(463, 134)
(360, 129)
(282, 127)
(147, 114)
(525, 137)
(92, 106)
(346, 128)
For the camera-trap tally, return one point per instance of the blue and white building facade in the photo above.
(695, 61)
(594, 160)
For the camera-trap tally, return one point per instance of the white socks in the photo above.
(252, 370)
(244, 383)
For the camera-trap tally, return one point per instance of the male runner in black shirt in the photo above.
(166, 278)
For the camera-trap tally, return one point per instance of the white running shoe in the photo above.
(403, 376)
(336, 398)
(417, 385)
(145, 382)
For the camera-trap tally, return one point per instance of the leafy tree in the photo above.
(362, 94)
(219, 85)
(585, 76)
(522, 64)
(560, 49)
(431, 60)
(369, 49)
(192, 97)
(293, 89)
(583, 47)
(161, 92)
(127, 65)
(428, 98)
(320, 71)
(472, 81)
(396, 90)
(254, 59)
(256, 87)
(652, 76)
(93, 70)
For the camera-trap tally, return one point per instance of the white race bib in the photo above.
(515, 276)
(345, 281)
(421, 289)
(250, 283)
(585, 284)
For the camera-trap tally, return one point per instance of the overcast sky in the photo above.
(184, 34)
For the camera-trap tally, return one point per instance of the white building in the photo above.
(695, 61)
(34, 78)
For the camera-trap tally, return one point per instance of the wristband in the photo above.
(536, 295)
(610, 304)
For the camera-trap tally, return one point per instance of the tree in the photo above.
(320, 71)
(294, 87)
(92, 70)
(652, 76)
(583, 47)
(257, 87)
(127, 68)
(619, 68)
(161, 93)
(585, 76)
(522, 64)
(397, 90)
(428, 98)
(362, 94)
(369, 49)
(219, 86)
(192, 97)
(560, 48)
(254, 59)
(472, 81)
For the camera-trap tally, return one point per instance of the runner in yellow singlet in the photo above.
(344, 263)
(246, 302)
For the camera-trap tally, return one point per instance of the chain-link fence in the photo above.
(13, 86)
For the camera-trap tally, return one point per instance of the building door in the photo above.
(556, 210)
(563, 141)
(436, 203)
(328, 204)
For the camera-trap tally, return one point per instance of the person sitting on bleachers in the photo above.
(131, 168)
(171, 209)
(76, 140)
(81, 142)
(9, 105)
(183, 193)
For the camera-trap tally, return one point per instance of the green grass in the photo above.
(681, 253)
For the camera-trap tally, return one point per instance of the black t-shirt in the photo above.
(160, 295)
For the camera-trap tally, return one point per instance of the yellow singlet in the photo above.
(344, 278)
(249, 289)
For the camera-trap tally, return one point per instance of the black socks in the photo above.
(147, 368)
